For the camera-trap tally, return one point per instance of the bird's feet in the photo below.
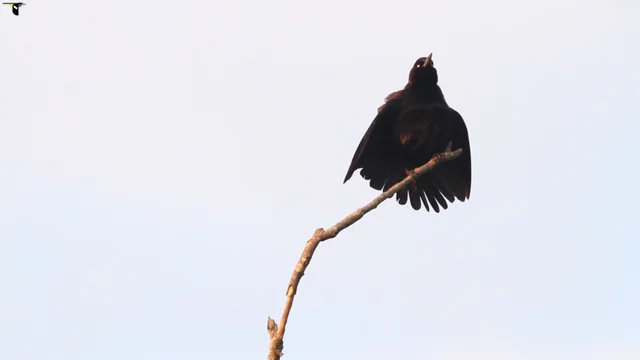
(447, 150)
(412, 175)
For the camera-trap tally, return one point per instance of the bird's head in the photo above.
(423, 72)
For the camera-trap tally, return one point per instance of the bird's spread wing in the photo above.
(377, 154)
(439, 125)
(454, 177)
(384, 162)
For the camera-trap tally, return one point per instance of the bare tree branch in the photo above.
(276, 333)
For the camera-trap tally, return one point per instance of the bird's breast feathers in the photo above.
(412, 135)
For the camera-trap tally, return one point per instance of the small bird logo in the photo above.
(15, 7)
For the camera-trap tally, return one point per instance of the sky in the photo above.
(163, 164)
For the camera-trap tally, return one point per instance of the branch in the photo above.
(276, 334)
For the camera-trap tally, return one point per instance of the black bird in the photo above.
(413, 125)
(15, 7)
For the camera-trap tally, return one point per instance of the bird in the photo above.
(15, 7)
(412, 126)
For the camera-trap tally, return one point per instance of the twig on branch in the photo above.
(276, 334)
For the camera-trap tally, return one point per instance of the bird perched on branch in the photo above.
(412, 126)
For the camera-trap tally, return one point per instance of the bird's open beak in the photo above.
(427, 60)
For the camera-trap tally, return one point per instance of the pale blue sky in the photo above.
(162, 165)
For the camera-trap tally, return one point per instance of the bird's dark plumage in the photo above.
(413, 125)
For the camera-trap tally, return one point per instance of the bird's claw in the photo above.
(447, 150)
(412, 175)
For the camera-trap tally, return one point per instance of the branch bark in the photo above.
(276, 333)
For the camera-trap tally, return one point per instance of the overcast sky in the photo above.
(163, 163)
